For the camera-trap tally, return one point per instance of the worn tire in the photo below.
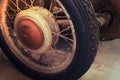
(87, 38)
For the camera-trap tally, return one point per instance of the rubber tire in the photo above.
(87, 33)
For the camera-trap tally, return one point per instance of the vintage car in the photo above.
(55, 39)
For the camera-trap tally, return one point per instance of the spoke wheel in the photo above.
(33, 30)
(42, 37)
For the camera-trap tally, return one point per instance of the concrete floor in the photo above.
(106, 65)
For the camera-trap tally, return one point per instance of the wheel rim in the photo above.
(37, 39)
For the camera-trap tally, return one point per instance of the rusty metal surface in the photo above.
(111, 31)
(30, 34)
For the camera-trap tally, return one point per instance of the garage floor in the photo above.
(105, 67)
(107, 63)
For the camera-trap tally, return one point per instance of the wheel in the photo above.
(109, 8)
(49, 39)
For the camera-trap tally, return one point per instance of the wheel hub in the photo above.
(30, 34)
(34, 29)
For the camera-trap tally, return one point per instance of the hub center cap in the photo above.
(34, 29)
(30, 34)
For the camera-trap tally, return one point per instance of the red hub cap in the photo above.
(30, 34)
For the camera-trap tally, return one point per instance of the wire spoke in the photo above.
(16, 5)
(15, 11)
(69, 27)
(66, 38)
(32, 2)
(51, 4)
(26, 3)
(68, 34)
(60, 16)
(62, 36)
(9, 16)
(60, 10)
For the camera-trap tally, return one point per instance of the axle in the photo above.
(103, 19)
